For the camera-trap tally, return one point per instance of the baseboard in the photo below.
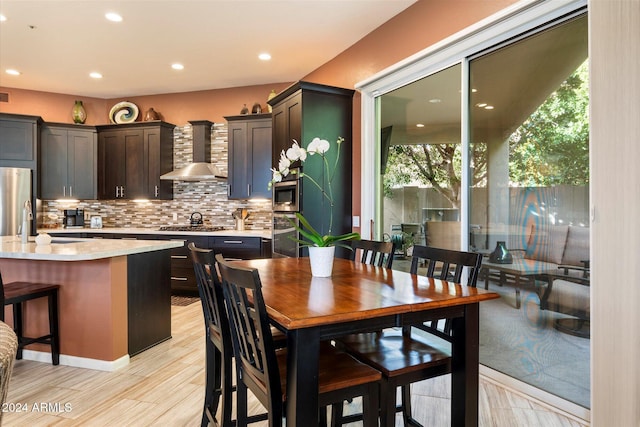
(541, 397)
(78, 362)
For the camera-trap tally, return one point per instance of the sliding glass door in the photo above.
(493, 147)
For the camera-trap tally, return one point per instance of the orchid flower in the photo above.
(296, 152)
(318, 145)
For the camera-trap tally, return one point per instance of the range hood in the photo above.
(200, 169)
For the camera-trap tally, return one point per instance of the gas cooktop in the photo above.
(190, 228)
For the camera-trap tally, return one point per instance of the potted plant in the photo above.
(321, 247)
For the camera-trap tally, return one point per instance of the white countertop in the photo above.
(265, 234)
(72, 249)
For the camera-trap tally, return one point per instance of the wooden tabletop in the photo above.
(355, 291)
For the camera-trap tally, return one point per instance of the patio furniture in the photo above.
(568, 293)
(546, 249)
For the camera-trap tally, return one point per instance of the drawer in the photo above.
(237, 247)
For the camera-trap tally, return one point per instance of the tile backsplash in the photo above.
(207, 197)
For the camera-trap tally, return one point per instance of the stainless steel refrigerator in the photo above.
(15, 189)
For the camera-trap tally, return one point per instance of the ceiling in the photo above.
(515, 80)
(56, 44)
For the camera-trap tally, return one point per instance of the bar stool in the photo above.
(15, 294)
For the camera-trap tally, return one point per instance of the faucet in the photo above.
(27, 215)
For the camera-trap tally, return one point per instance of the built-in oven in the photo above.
(284, 242)
(286, 196)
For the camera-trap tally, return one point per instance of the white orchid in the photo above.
(283, 164)
(296, 152)
(318, 145)
(277, 176)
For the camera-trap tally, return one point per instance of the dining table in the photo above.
(363, 298)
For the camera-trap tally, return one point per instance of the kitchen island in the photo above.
(114, 300)
(232, 244)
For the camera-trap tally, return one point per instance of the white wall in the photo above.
(614, 37)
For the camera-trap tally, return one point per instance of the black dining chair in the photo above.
(218, 347)
(404, 357)
(372, 252)
(262, 368)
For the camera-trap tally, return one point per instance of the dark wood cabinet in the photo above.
(68, 165)
(305, 111)
(249, 156)
(131, 159)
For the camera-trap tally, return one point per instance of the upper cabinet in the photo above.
(69, 161)
(249, 156)
(131, 159)
(302, 112)
(19, 137)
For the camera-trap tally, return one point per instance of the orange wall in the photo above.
(176, 108)
(418, 27)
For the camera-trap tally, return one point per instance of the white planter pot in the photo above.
(321, 260)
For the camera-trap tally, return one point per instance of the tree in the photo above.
(552, 146)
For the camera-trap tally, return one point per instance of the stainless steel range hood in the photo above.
(200, 169)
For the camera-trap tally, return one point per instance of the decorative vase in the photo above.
(321, 260)
(78, 113)
(500, 254)
(257, 108)
(244, 110)
(272, 95)
(151, 114)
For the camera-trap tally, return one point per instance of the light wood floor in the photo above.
(164, 386)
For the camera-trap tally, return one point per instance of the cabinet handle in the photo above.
(64, 191)
(234, 242)
(156, 191)
(183, 279)
(121, 191)
(178, 257)
(228, 190)
(116, 191)
(70, 191)
(129, 238)
(248, 189)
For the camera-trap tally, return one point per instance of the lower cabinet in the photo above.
(183, 279)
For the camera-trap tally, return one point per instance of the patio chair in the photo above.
(567, 292)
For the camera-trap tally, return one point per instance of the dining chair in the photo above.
(404, 357)
(17, 294)
(218, 347)
(373, 252)
(262, 368)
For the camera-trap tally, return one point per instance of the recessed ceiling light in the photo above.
(177, 66)
(474, 90)
(95, 75)
(488, 107)
(419, 125)
(264, 56)
(13, 72)
(435, 100)
(481, 104)
(2, 18)
(113, 17)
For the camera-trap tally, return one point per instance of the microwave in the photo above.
(286, 196)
